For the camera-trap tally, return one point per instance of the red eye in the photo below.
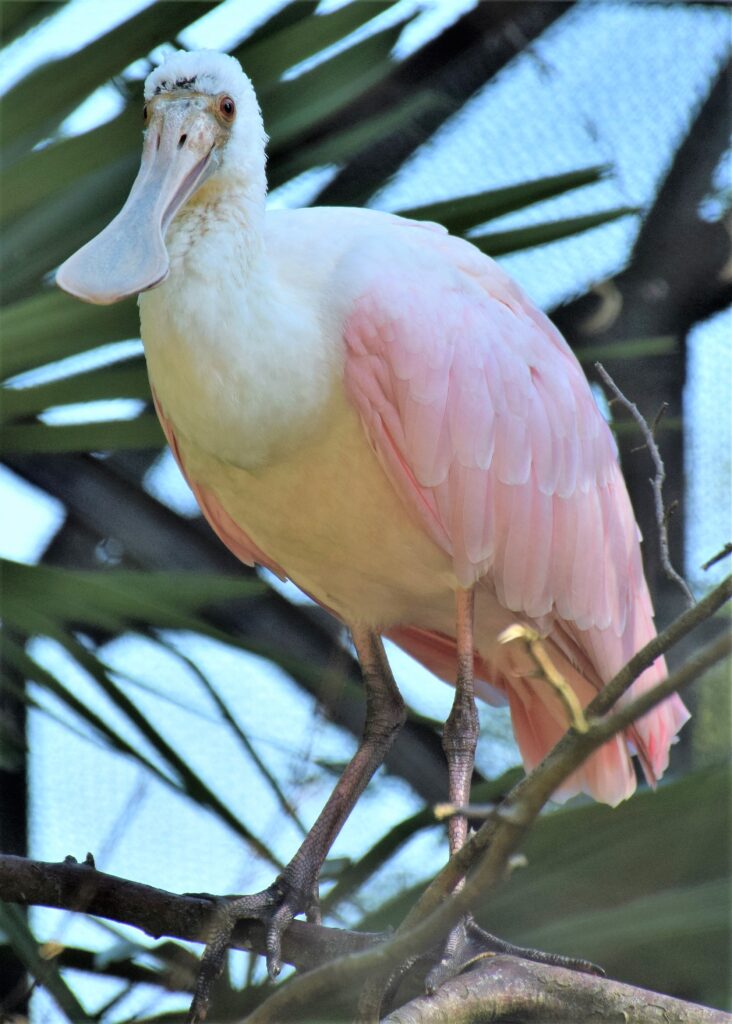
(227, 107)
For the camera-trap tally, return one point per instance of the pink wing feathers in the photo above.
(485, 423)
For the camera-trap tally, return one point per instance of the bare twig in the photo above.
(476, 811)
(656, 483)
(726, 550)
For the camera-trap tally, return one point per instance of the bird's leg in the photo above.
(295, 890)
(469, 942)
(459, 740)
(460, 735)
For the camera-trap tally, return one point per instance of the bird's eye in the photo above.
(227, 107)
(144, 113)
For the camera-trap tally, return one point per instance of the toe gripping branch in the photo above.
(275, 907)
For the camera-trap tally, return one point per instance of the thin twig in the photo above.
(475, 811)
(656, 483)
(726, 550)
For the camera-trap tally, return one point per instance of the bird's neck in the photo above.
(236, 356)
(221, 225)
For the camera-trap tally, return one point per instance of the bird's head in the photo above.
(202, 127)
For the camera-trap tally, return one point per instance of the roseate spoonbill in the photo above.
(374, 409)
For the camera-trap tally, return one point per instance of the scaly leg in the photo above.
(459, 740)
(293, 892)
(467, 941)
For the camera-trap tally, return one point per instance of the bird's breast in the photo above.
(244, 372)
(329, 516)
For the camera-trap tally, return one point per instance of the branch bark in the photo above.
(81, 888)
(504, 989)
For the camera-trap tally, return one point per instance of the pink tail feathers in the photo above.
(538, 718)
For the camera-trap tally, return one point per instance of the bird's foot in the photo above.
(468, 943)
(275, 907)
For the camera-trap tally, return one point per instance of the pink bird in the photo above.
(375, 410)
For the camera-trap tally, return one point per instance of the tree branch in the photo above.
(505, 989)
(80, 887)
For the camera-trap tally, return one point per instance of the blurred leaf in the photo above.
(297, 105)
(14, 654)
(460, 214)
(39, 241)
(113, 599)
(244, 741)
(266, 57)
(125, 379)
(17, 18)
(616, 885)
(42, 601)
(350, 141)
(29, 183)
(142, 432)
(498, 243)
(46, 972)
(633, 348)
(52, 325)
(33, 108)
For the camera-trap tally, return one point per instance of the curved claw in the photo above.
(275, 927)
(275, 907)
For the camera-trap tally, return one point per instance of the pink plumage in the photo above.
(484, 420)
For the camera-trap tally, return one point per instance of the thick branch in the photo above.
(78, 887)
(504, 989)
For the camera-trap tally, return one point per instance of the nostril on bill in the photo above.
(182, 141)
